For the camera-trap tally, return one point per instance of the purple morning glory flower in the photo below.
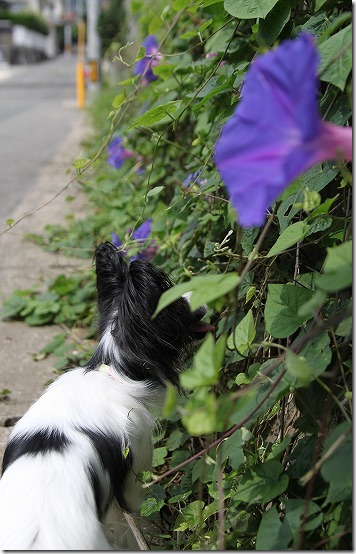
(115, 239)
(151, 59)
(276, 133)
(117, 152)
(192, 178)
(140, 235)
(142, 232)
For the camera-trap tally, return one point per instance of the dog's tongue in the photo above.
(202, 327)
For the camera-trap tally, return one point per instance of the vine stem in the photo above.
(304, 480)
(135, 531)
(255, 251)
(296, 347)
(226, 435)
(58, 193)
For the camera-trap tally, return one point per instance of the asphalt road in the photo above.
(37, 110)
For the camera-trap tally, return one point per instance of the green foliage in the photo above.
(257, 453)
(30, 20)
(67, 300)
(111, 24)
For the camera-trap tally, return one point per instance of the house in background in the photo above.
(19, 43)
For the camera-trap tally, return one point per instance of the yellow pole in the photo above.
(80, 65)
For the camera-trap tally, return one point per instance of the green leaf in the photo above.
(175, 439)
(310, 308)
(36, 320)
(205, 25)
(337, 469)
(242, 379)
(270, 27)
(56, 342)
(344, 328)
(170, 402)
(154, 115)
(281, 309)
(203, 372)
(250, 293)
(150, 506)
(190, 516)
(317, 178)
(155, 25)
(118, 100)
(278, 448)
(159, 455)
(141, 53)
(300, 512)
(272, 534)
(204, 288)
(79, 163)
(189, 34)
(179, 497)
(337, 270)
(164, 70)
(243, 335)
(249, 10)
(299, 368)
(249, 407)
(231, 448)
(13, 305)
(262, 483)
(336, 58)
(317, 353)
(199, 417)
(154, 191)
(290, 236)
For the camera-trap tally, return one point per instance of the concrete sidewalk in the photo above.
(25, 264)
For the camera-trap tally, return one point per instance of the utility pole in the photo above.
(93, 43)
(68, 20)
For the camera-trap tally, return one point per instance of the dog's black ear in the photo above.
(111, 270)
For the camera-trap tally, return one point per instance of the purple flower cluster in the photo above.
(192, 178)
(117, 153)
(276, 133)
(151, 59)
(140, 235)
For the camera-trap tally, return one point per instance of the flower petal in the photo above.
(151, 44)
(143, 67)
(142, 232)
(276, 117)
(115, 239)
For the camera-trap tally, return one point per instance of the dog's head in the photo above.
(142, 347)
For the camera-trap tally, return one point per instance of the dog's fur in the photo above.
(79, 447)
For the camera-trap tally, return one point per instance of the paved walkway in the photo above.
(24, 264)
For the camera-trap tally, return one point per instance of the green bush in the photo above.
(30, 20)
(112, 23)
(258, 453)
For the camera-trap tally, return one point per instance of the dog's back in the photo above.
(82, 443)
(64, 458)
(40, 513)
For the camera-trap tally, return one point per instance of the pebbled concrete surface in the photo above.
(24, 264)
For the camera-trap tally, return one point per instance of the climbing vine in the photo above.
(257, 454)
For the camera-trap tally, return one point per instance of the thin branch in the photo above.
(136, 532)
(220, 439)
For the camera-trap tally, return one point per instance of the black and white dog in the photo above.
(79, 447)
